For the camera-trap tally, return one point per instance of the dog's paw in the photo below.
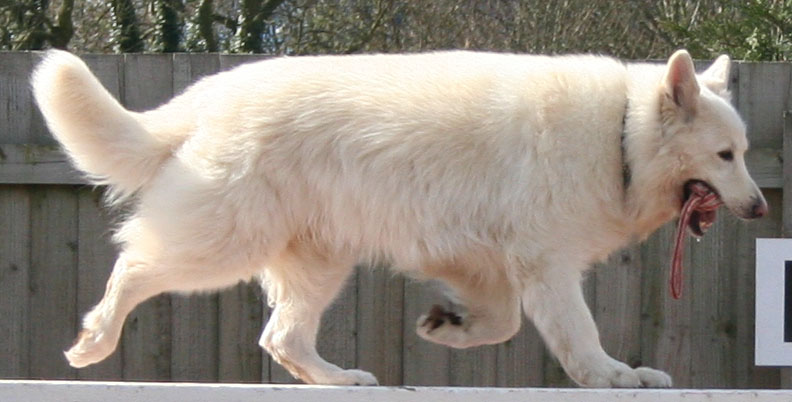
(90, 347)
(651, 378)
(615, 374)
(347, 377)
(441, 326)
(437, 317)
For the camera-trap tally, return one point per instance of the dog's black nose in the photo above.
(759, 209)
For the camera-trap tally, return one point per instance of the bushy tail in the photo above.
(104, 140)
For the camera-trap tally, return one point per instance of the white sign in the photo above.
(773, 302)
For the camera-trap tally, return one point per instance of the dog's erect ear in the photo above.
(680, 83)
(716, 77)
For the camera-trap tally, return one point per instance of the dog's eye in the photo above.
(726, 155)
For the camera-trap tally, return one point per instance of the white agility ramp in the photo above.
(88, 391)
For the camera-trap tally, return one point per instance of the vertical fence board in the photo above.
(147, 335)
(194, 347)
(380, 326)
(762, 101)
(243, 313)
(15, 252)
(665, 330)
(240, 318)
(18, 113)
(16, 127)
(521, 359)
(53, 274)
(424, 363)
(786, 218)
(95, 259)
(53, 281)
(708, 279)
(476, 367)
(337, 338)
(96, 254)
(618, 305)
(748, 374)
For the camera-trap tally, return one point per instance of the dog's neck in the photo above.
(648, 198)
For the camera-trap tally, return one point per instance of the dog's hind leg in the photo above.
(300, 285)
(130, 283)
(553, 299)
(492, 315)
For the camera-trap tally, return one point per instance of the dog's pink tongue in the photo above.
(706, 202)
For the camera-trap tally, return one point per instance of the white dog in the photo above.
(504, 176)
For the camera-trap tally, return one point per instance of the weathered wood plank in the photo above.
(474, 367)
(96, 254)
(786, 213)
(618, 305)
(764, 164)
(53, 281)
(22, 123)
(46, 164)
(241, 312)
(747, 374)
(15, 252)
(710, 292)
(194, 350)
(665, 337)
(521, 359)
(380, 324)
(424, 363)
(15, 244)
(147, 335)
(337, 337)
(95, 258)
(194, 343)
(54, 242)
(36, 164)
(762, 101)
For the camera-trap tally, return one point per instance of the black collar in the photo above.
(626, 173)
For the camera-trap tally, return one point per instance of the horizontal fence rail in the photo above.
(57, 391)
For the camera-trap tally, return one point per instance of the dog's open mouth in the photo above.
(701, 202)
(699, 208)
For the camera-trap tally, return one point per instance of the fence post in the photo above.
(786, 199)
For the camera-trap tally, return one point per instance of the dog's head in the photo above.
(704, 133)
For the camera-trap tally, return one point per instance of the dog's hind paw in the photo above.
(90, 347)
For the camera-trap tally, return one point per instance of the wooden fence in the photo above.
(55, 258)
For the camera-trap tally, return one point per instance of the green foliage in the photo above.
(169, 25)
(635, 29)
(748, 30)
(125, 29)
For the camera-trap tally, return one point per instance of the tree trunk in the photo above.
(205, 25)
(169, 25)
(62, 33)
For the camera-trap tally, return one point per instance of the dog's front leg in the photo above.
(554, 301)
